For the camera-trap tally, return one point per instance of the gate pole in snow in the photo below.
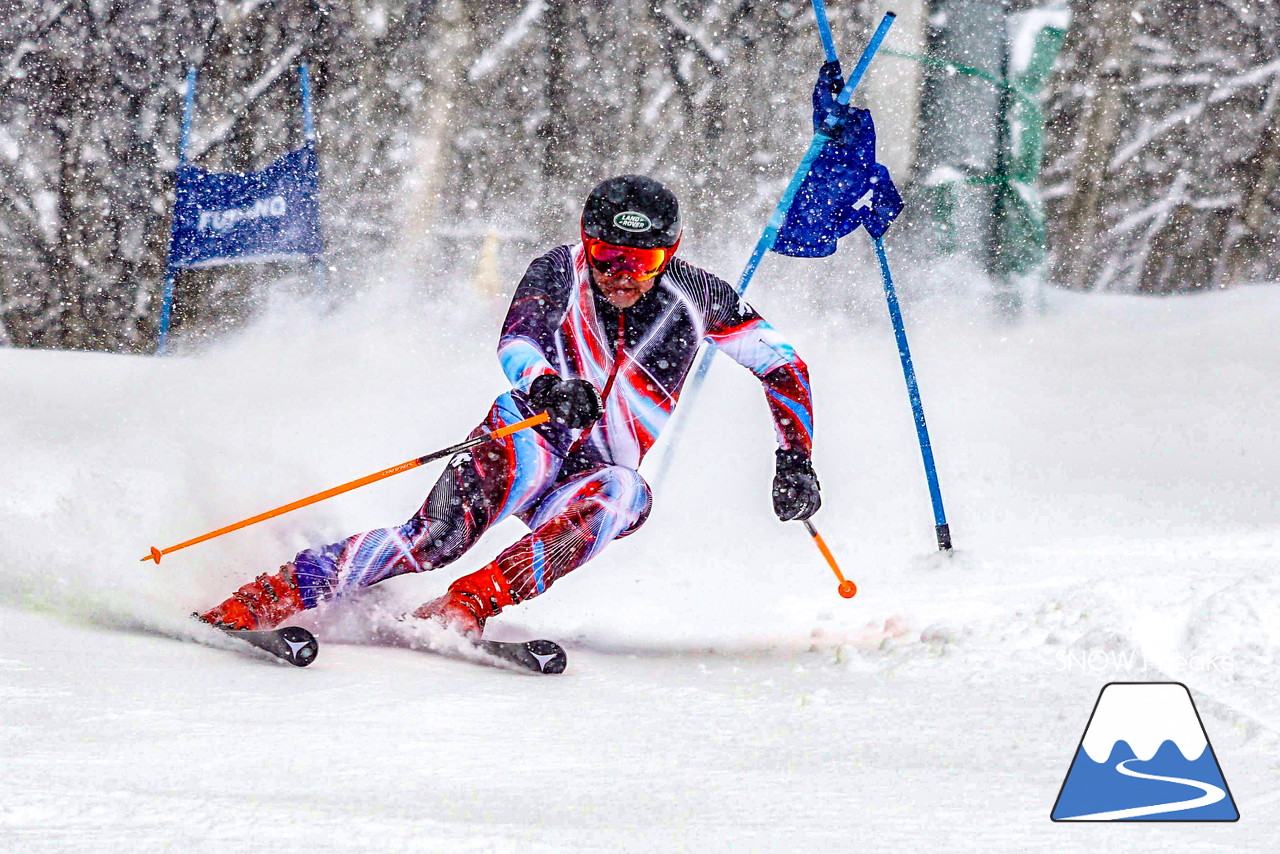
(308, 121)
(309, 134)
(824, 30)
(166, 306)
(941, 528)
(775, 223)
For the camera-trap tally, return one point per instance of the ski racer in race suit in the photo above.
(600, 335)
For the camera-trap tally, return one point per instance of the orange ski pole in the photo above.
(847, 588)
(156, 553)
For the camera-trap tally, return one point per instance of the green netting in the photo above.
(1019, 210)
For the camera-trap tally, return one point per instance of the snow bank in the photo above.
(1111, 428)
(1109, 471)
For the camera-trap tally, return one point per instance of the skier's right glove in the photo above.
(570, 403)
(796, 491)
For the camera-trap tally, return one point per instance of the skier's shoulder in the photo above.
(551, 269)
(694, 279)
(561, 257)
(717, 300)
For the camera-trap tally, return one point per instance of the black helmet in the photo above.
(632, 210)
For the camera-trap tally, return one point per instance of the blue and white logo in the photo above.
(1145, 756)
(237, 218)
(225, 220)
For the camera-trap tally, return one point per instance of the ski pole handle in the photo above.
(847, 588)
(502, 432)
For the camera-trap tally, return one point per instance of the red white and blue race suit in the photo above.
(577, 490)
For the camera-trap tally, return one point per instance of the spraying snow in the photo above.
(1109, 471)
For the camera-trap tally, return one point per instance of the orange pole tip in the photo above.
(847, 589)
(155, 555)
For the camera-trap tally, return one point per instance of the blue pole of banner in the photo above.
(308, 123)
(824, 30)
(309, 133)
(170, 274)
(917, 408)
(322, 284)
(779, 216)
(166, 308)
(188, 109)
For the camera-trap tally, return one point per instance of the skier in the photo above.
(600, 335)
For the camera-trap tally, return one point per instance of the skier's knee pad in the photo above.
(630, 494)
(437, 542)
(455, 514)
(616, 498)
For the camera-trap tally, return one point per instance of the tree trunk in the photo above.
(435, 116)
(1251, 231)
(962, 117)
(556, 131)
(1100, 128)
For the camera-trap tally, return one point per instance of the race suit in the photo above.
(577, 490)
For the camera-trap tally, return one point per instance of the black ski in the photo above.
(535, 656)
(538, 656)
(293, 644)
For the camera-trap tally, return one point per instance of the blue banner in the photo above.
(845, 187)
(231, 218)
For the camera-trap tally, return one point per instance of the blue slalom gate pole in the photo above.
(309, 134)
(899, 330)
(824, 30)
(308, 121)
(779, 217)
(941, 529)
(170, 275)
(820, 139)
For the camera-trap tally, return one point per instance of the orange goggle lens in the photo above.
(639, 264)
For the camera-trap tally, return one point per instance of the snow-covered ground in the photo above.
(1111, 478)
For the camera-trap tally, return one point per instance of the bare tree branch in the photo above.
(251, 95)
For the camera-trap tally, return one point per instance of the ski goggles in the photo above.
(609, 259)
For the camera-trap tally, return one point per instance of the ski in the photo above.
(534, 656)
(537, 656)
(293, 644)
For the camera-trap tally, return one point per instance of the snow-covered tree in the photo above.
(87, 94)
(440, 122)
(1165, 145)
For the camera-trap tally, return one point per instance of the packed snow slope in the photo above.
(1110, 472)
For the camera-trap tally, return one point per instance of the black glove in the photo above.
(570, 403)
(796, 492)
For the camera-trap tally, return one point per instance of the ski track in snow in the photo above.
(1109, 474)
(1211, 794)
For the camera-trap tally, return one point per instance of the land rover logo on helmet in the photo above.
(632, 221)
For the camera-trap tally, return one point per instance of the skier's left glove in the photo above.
(796, 491)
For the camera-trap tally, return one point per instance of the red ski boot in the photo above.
(470, 601)
(260, 604)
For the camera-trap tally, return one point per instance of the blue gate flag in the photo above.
(232, 218)
(845, 188)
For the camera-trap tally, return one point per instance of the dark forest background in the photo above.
(446, 125)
